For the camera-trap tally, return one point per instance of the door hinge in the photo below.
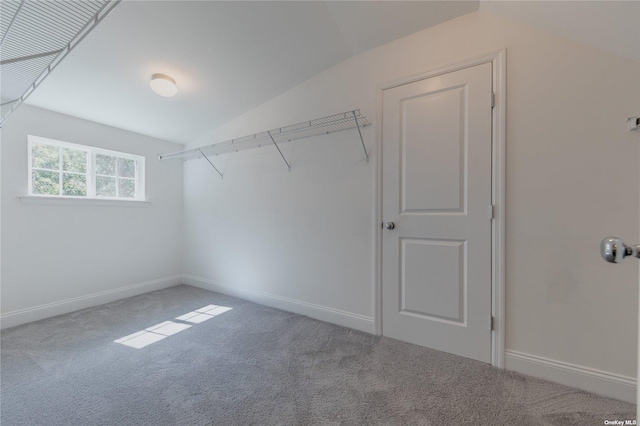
(493, 100)
(490, 210)
(491, 323)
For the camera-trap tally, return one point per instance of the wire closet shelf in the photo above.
(319, 126)
(34, 38)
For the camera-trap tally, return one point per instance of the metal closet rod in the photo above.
(319, 126)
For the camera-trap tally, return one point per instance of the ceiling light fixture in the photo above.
(163, 85)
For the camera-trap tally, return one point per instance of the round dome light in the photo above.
(163, 85)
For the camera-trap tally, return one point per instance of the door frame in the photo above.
(498, 138)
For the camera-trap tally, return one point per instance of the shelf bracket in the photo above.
(207, 158)
(281, 154)
(29, 57)
(355, 117)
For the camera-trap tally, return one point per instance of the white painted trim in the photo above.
(322, 313)
(498, 182)
(377, 268)
(589, 379)
(80, 201)
(499, 67)
(35, 313)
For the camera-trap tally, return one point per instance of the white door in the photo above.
(436, 262)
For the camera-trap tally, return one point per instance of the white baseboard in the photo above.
(600, 382)
(322, 313)
(35, 313)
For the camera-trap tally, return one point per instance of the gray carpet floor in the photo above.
(254, 365)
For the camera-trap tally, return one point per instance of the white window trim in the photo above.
(91, 151)
(81, 201)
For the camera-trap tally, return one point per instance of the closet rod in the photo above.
(320, 126)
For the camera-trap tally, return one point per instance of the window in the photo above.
(62, 169)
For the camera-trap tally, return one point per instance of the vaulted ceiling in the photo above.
(228, 57)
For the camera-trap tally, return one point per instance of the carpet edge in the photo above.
(319, 312)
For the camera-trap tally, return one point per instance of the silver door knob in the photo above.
(389, 226)
(614, 250)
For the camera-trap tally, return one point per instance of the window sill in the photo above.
(71, 201)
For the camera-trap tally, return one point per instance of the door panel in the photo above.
(432, 173)
(422, 294)
(436, 152)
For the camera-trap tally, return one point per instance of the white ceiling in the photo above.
(367, 24)
(226, 57)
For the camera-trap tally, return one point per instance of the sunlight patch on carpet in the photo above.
(153, 334)
(203, 314)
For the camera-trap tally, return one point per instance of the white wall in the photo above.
(60, 258)
(304, 240)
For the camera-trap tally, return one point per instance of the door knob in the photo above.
(614, 250)
(389, 226)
